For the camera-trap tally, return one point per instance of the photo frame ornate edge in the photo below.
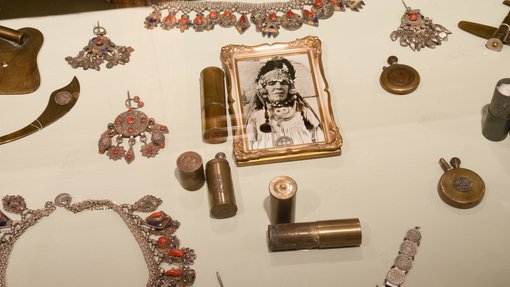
(242, 155)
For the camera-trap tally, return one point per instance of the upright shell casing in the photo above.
(282, 194)
(222, 201)
(214, 111)
(496, 123)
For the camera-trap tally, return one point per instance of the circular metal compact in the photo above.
(399, 79)
(460, 187)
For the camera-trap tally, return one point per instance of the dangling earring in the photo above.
(418, 31)
(132, 124)
(265, 127)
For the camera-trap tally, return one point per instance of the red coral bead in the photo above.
(150, 148)
(117, 122)
(176, 252)
(273, 17)
(129, 156)
(290, 14)
(174, 272)
(183, 21)
(136, 98)
(130, 120)
(163, 240)
(198, 20)
(308, 14)
(156, 214)
(99, 41)
(213, 15)
(413, 16)
(318, 4)
(227, 14)
(243, 19)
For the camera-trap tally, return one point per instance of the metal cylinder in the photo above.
(12, 35)
(282, 201)
(496, 122)
(309, 235)
(190, 171)
(222, 201)
(214, 111)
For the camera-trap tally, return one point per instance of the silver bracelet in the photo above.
(404, 260)
(154, 234)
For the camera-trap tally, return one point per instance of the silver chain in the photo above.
(239, 7)
(138, 227)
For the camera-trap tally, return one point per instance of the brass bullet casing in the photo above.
(496, 122)
(308, 235)
(222, 201)
(399, 79)
(460, 187)
(282, 201)
(214, 111)
(190, 171)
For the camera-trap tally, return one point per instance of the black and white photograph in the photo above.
(279, 102)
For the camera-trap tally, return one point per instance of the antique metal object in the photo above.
(282, 201)
(190, 171)
(267, 18)
(496, 37)
(155, 234)
(100, 49)
(214, 109)
(19, 73)
(460, 187)
(61, 101)
(418, 31)
(132, 124)
(222, 201)
(496, 122)
(399, 79)
(404, 260)
(309, 235)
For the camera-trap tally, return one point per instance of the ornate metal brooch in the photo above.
(267, 17)
(154, 234)
(132, 124)
(98, 50)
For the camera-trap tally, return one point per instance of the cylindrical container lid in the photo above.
(190, 170)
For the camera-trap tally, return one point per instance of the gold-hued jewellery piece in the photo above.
(100, 49)
(168, 263)
(460, 187)
(398, 78)
(405, 258)
(267, 18)
(418, 31)
(132, 124)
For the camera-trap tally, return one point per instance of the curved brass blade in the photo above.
(61, 101)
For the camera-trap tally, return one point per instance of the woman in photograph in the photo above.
(278, 116)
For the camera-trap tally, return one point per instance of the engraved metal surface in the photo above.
(63, 98)
(396, 277)
(131, 123)
(462, 184)
(409, 248)
(63, 200)
(413, 235)
(403, 262)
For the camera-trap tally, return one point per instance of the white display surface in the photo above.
(386, 176)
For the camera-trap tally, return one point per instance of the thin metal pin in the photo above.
(219, 278)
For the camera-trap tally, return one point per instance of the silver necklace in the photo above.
(154, 234)
(267, 18)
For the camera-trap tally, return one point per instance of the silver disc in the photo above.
(396, 277)
(409, 248)
(63, 200)
(404, 262)
(413, 235)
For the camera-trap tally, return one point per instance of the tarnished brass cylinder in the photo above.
(282, 201)
(496, 123)
(12, 35)
(310, 235)
(222, 201)
(214, 111)
(190, 171)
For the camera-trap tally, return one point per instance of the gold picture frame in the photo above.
(279, 102)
